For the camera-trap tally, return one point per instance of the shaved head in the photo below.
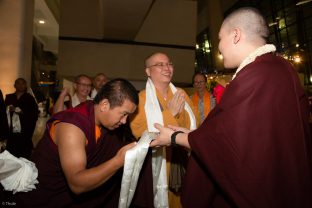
(150, 57)
(250, 21)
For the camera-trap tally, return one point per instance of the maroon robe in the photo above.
(20, 144)
(4, 128)
(53, 190)
(254, 148)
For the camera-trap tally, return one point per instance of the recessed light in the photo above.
(41, 21)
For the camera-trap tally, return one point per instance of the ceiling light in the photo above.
(41, 21)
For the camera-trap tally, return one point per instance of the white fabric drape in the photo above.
(17, 174)
(16, 123)
(154, 115)
(133, 163)
(135, 157)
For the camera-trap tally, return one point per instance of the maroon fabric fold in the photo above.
(254, 148)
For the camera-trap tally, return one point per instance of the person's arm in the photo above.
(71, 143)
(164, 137)
(59, 104)
(138, 123)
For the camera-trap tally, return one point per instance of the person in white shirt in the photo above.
(82, 86)
(99, 80)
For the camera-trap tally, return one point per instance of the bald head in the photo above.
(250, 21)
(150, 58)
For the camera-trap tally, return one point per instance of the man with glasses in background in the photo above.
(162, 102)
(202, 99)
(82, 86)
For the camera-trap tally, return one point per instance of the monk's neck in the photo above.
(163, 89)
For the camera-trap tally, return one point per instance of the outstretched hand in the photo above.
(177, 128)
(120, 156)
(164, 137)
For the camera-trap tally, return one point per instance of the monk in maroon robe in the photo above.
(4, 128)
(79, 159)
(254, 148)
(24, 105)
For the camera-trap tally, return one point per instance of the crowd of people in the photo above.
(250, 146)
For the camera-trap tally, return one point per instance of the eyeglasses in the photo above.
(84, 85)
(162, 65)
(199, 82)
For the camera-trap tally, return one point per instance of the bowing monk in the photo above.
(79, 159)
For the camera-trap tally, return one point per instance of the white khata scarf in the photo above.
(135, 157)
(153, 111)
(154, 115)
(268, 48)
(16, 123)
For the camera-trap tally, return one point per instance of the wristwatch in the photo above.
(173, 137)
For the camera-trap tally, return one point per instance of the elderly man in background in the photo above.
(82, 86)
(99, 80)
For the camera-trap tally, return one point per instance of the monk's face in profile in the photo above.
(112, 118)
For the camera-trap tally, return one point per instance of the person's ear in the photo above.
(237, 35)
(104, 105)
(148, 71)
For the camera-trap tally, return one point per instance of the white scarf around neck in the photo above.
(152, 108)
(154, 115)
(267, 48)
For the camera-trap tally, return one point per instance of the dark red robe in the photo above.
(4, 128)
(254, 148)
(20, 144)
(53, 190)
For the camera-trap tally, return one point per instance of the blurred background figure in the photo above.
(82, 87)
(22, 114)
(203, 100)
(4, 128)
(99, 80)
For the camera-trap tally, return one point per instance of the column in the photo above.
(16, 20)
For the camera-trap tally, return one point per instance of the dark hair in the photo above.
(199, 73)
(20, 79)
(116, 91)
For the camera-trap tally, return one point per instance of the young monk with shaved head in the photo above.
(254, 148)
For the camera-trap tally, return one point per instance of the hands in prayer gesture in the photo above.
(177, 103)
